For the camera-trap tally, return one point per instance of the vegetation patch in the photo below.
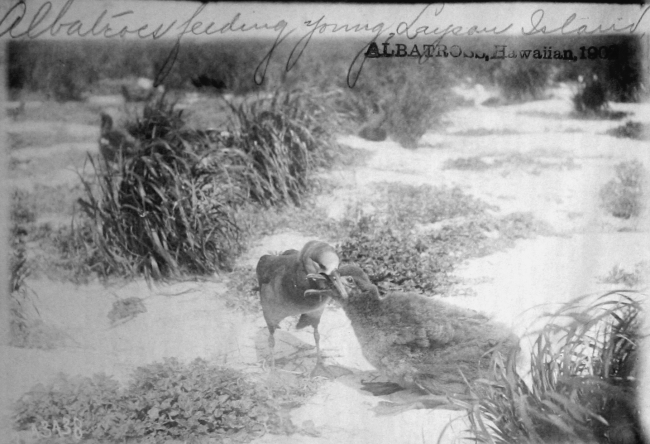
(623, 196)
(583, 368)
(168, 400)
(163, 212)
(480, 132)
(243, 293)
(410, 110)
(424, 233)
(170, 205)
(125, 309)
(631, 279)
(285, 139)
(408, 205)
(521, 81)
(522, 161)
(591, 99)
(631, 130)
(473, 163)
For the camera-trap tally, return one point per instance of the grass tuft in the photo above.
(520, 82)
(583, 380)
(623, 196)
(169, 208)
(631, 130)
(285, 139)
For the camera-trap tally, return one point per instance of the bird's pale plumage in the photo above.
(295, 283)
(416, 341)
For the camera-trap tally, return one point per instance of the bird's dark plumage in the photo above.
(374, 130)
(416, 341)
(112, 141)
(204, 80)
(293, 283)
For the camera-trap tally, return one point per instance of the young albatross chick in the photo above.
(416, 341)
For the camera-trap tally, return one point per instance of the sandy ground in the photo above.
(190, 319)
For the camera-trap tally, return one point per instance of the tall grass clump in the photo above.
(286, 138)
(521, 81)
(171, 205)
(583, 380)
(169, 208)
(623, 196)
(415, 97)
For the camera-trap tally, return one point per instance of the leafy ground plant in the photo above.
(420, 234)
(162, 401)
(406, 204)
(125, 309)
(583, 380)
(243, 290)
(623, 196)
(523, 161)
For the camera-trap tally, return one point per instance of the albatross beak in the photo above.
(336, 280)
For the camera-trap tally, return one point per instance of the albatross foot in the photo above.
(321, 370)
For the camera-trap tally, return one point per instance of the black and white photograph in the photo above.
(324, 223)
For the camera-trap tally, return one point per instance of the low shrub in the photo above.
(521, 81)
(592, 98)
(631, 130)
(623, 196)
(404, 93)
(412, 113)
(161, 401)
(583, 380)
(398, 254)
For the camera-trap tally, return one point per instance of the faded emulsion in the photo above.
(101, 27)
